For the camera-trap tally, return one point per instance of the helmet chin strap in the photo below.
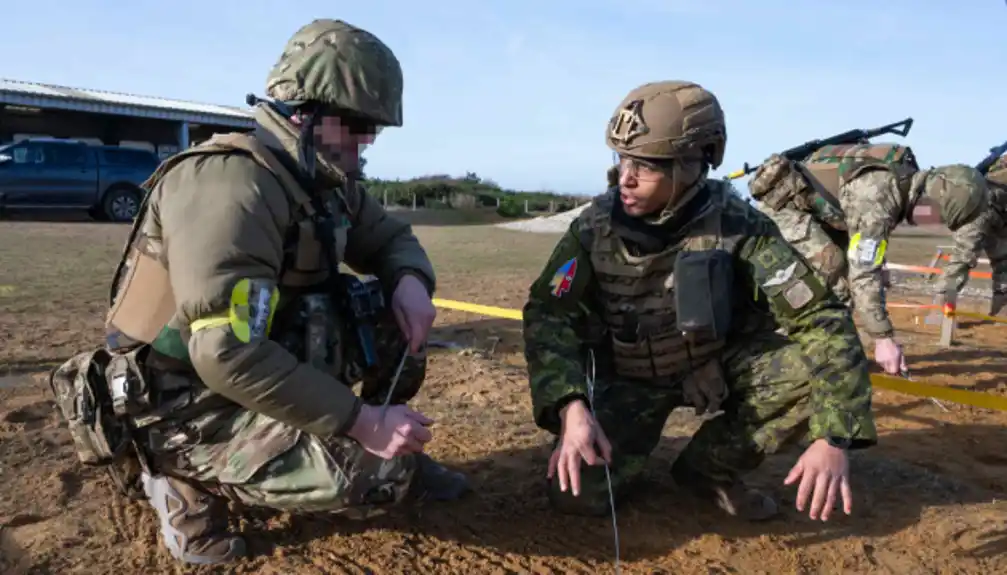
(305, 137)
(306, 145)
(306, 149)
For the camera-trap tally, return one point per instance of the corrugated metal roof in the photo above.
(97, 101)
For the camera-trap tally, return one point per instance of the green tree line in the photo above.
(440, 191)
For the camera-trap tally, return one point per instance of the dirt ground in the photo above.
(928, 497)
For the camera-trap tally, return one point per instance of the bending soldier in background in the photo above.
(839, 208)
(613, 176)
(987, 233)
(234, 342)
(679, 286)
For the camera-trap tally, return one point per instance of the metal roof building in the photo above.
(46, 96)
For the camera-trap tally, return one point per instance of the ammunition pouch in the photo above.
(704, 285)
(317, 332)
(97, 392)
(83, 400)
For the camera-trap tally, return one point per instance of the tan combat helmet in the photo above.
(343, 68)
(671, 120)
(959, 190)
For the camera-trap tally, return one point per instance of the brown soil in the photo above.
(927, 497)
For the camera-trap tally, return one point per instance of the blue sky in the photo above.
(520, 91)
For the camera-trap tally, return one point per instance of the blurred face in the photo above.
(644, 188)
(342, 140)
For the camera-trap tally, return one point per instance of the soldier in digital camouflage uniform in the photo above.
(839, 208)
(987, 233)
(226, 321)
(613, 176)
(677, 286)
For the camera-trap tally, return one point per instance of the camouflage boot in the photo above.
(736, 499)
(193, 523)
(432, 480)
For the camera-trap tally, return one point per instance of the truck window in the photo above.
(65, 155)
(129, 157)
(27, 154)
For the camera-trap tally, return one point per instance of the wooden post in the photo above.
(948, 325)
(526, 206)
(384, 197)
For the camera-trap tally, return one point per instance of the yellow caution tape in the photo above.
(918, 388)
(897, 384)
(492, 311)
(981, 316)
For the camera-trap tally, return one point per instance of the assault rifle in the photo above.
(858, 136)
(995, 153)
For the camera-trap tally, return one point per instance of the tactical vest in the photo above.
(637, 295)
(141, 303)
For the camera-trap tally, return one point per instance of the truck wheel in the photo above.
(121, 204)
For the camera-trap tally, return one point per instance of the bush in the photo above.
(510, 208)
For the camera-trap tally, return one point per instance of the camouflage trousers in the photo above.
(257, 461)
(769, 405)
(994, 245)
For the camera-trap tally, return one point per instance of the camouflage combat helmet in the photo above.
(669, 120)
(959, 190)
(343, 68)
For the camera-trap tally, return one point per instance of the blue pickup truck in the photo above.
(54, 174)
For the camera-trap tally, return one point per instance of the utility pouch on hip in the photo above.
(362, 301)
(82, 400)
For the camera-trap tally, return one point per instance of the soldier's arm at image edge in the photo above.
(381, 244)
(211, 247)
(822, 326)
(554, 320)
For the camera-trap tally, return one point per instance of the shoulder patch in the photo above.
(562, 281)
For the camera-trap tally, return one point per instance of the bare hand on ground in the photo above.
(824, 472)
(578, 439)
